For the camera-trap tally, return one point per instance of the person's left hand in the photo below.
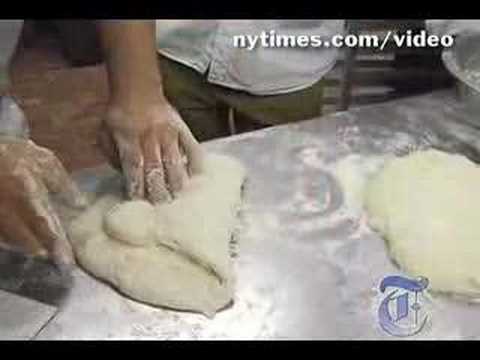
(29, 174)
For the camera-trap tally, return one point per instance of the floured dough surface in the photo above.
(132, 222)
(174, 255)
(427, 206)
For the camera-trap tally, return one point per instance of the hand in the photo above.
(28, 174)
(153, 147)
(142, 134)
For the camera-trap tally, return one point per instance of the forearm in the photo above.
(142, 133)
(130, 54)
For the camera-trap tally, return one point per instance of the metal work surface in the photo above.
(305, 267)
(22, 318)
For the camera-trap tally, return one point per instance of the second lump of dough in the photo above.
(131, 222)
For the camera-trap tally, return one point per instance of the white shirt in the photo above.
(208, 47)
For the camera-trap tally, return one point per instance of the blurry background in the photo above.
(58, 74)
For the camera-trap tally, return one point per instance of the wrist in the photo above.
(138, 95)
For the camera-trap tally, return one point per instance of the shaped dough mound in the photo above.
(174, 255)
(427, 206)
(132, 222)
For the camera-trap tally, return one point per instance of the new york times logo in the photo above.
(400, 312)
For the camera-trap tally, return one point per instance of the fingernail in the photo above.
(64, 261)
(160, 196)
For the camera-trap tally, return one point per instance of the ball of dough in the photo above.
(131, 222)
(427, 207)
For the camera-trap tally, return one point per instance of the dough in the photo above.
(174, 255)
(352, 174)
(122, 221)
(427, 206)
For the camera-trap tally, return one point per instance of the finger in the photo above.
(107, 144)
(26, 213)
(175, 171)
(56, 178)
(192, 148)
(38, 214)
(156, 186)
(48, 228)
(132, 165)
(15, 233)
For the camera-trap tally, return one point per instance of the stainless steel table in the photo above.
(306, 268)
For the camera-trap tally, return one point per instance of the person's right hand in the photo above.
(28, 174)
(153, 147)
(142, 134)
